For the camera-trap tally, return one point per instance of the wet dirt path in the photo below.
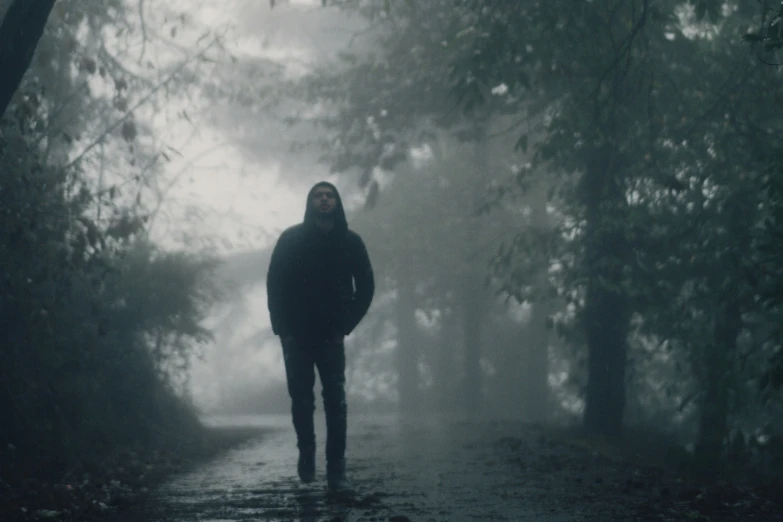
(427, 470)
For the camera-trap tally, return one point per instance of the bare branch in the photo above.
(141, 102)
(143, 31)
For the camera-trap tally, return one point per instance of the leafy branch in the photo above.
(770, 34)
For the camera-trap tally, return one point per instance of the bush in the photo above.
(95, 321)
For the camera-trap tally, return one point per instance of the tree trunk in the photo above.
(717, 362)
(607, 318)
(472, 290)
(20, 31)
(444, 369)
(471, 322)
(407, 349)
(535, 398)
(606, 313)
(512, 344)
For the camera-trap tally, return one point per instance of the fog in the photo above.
(573, 215)
(242, 370)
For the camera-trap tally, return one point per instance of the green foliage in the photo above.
(98, 324)
(91, 315)
(707, 10)
(770, 34)
(681, 149)
(666, 139)
(392, 97)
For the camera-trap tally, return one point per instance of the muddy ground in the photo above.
(443, 470)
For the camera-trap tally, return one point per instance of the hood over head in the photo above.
(340, 221)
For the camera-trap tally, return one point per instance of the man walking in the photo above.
(320, 285)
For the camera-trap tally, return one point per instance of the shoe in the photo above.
(335, 475)
(306, 465)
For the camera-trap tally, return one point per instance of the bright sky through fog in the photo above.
(238, 194)
(247, 202)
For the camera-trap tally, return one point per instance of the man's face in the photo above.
(324, 201)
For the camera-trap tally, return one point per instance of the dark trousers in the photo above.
(302, 356)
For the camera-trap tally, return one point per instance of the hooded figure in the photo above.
(319, 287)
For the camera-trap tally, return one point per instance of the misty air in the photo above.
(391, 260)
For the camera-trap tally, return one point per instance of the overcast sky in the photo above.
(250, 197)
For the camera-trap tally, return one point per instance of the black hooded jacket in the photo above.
(320, 283)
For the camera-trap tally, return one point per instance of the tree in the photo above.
(644, 116)
(98, 324)
(610, 122)
(599, 113)
(21, 29)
